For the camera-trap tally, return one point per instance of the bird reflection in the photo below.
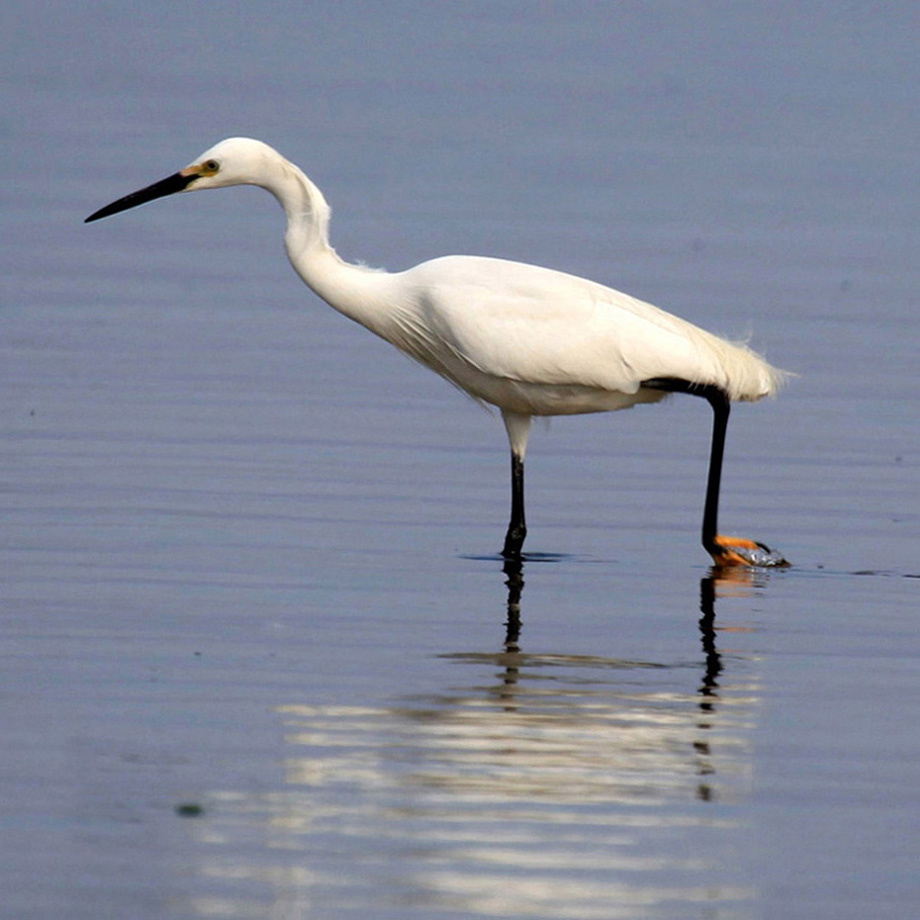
(558, 786)
(734, 580)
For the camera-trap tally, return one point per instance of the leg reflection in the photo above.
(511, 658)
(710, 686)
(514, 570)
(738, 581)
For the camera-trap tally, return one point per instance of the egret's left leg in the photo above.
(518, 428)
(517, 526)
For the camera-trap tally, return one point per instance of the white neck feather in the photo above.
(350, 289)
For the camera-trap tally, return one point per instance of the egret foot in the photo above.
(731, 551)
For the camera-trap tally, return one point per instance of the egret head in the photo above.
(234, 161)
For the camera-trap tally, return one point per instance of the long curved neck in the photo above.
(306, 210)
(350, 289)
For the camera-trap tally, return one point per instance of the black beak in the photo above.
(175, 183)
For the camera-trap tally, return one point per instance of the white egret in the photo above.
(531, 341)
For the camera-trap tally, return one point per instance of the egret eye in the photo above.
(211, 167)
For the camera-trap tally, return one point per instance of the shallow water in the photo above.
(259, 657)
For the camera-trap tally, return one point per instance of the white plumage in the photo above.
(529, 340)
(569, 345)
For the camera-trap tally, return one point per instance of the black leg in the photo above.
(725, 551)
(517, 528)
(721, 406)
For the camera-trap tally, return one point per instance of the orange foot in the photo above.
(739, 551)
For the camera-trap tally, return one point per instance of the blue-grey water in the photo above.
(256, 660)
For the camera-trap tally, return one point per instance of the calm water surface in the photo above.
(258, 657)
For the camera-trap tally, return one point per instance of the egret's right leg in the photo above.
(725, 551)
